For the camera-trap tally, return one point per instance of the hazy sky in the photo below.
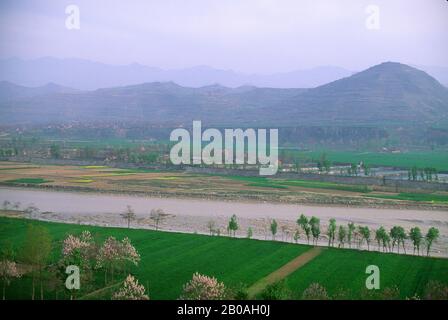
(259, 36)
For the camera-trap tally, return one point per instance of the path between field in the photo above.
(284, 271)
(96, 292)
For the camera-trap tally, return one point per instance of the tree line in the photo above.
(352, 235)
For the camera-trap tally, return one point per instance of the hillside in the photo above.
(386, 94)
(389, 93)
(161, 103)
(10, 91)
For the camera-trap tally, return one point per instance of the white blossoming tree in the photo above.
(130, 290)
(115, 255)
(80, 251)
(202, 287)
(8, 271)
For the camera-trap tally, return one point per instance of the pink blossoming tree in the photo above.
(201, 287)
(115, 255)
(130, 290)
(80, 251)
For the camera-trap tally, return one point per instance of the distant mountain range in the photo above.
(88, 75)
(387, 94)
(10, 91)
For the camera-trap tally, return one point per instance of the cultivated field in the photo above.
(181, 184)
(168, 260)
(435, 159)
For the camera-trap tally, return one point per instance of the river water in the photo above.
(192, 215)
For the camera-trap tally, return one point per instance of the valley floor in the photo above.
(178, 184)
(196, 203)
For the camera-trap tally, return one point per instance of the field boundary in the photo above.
(99, 291)
(284, 271)
(349, 180)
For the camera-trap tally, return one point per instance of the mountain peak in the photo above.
(393, 66)
(390, 76)
(390, 92)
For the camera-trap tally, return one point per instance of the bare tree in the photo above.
(157, 215)
(128, 215)
(31, 211)
(16, 205)
(6, 204)
(211, 226)
(284, 229)
(265, 225)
